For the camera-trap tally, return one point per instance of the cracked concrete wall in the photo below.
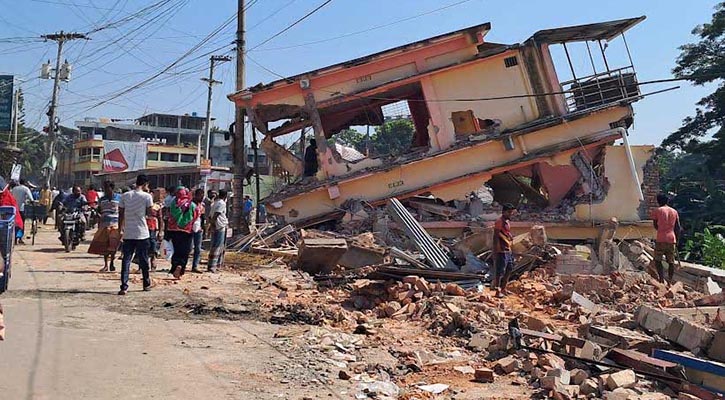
(622, 200)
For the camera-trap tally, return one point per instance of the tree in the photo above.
(704, 62)
(393, 137)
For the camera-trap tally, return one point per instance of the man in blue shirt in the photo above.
(247, 209)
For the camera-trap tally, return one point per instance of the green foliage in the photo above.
(392, 138)
(704, 62)
(707, 247)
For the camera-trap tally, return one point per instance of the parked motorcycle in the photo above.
(72, 228)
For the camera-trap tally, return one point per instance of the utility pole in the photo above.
(16, 113)
(211, 82)
(240, 158)
(60, 38)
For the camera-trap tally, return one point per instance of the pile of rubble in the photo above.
(582, 321)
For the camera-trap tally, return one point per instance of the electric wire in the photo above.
(290, 26)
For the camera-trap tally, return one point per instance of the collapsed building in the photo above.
(486, 115)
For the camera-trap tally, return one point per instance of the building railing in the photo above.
(591, 91)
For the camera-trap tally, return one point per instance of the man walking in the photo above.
(218, 225)
(667, 222)
(134, 208)
(503, 257)
(22, 195)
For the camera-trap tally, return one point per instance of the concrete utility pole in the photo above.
(16, 113)
(59, 38)
(210, 81)
(240, 158)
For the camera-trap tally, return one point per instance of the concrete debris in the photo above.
(621, 379)
(422, 303)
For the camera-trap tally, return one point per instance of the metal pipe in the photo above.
(604, 57)
(632, 167)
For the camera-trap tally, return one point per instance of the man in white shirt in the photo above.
(218, 226)
(134, 207)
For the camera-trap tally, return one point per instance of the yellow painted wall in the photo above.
(488, 78)
(622, 200)
(442, 167)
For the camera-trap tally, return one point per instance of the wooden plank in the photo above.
(641, 361)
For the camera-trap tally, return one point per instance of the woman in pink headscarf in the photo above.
(183, 212)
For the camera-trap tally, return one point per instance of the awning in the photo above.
(579, 33)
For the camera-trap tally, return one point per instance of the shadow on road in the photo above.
(62, 271)
(76, 291)
(58, 249)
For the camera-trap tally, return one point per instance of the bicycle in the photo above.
(35, 212)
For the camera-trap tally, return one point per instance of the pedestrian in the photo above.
(182, 214)
(503, 257)
(8, 200)
(208, 201)
(134, 207)
(197, 229)
(155, 223)
(247, 208)
(92, 196)
(108, 236)
(45, 199)
(219, 223)
(667, 223)
(22, 195)
(310, 159)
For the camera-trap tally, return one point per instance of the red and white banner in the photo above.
(124, 156)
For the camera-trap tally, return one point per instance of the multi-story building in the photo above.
(172, 142)
(519, 120)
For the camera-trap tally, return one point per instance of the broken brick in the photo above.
(551, 360)
(589, 386)
(507, 365)
(621, 379)
(455, 290)
(578, 376)
(562, 374)
(484, 375)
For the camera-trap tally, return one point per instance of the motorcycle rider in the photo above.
(75, 202)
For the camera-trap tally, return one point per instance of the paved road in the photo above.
(62, 341)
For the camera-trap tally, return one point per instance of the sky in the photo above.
(107, 68)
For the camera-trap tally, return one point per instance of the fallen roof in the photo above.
(482, 28)
(577, 33)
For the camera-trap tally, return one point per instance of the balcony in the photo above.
(600, 89)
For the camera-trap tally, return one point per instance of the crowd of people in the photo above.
(140, 223)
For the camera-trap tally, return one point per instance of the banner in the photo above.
(124, 156)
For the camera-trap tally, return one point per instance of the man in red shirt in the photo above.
(667, 222)
(92, 196)
(503, 257)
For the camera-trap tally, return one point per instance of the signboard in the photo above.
(124, 156)
(15, 172)
(6, 103)
(205, 166)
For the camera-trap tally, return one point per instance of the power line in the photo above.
(304, 17)
(275, 12)
(367, 29)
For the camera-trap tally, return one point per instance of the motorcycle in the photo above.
(72, 228)
(92, 217)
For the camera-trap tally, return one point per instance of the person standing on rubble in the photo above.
(667, 222)
(219, 222)
(311, 158)
(503, 257)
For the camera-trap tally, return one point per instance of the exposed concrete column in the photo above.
(324, 159)
(439, 139)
